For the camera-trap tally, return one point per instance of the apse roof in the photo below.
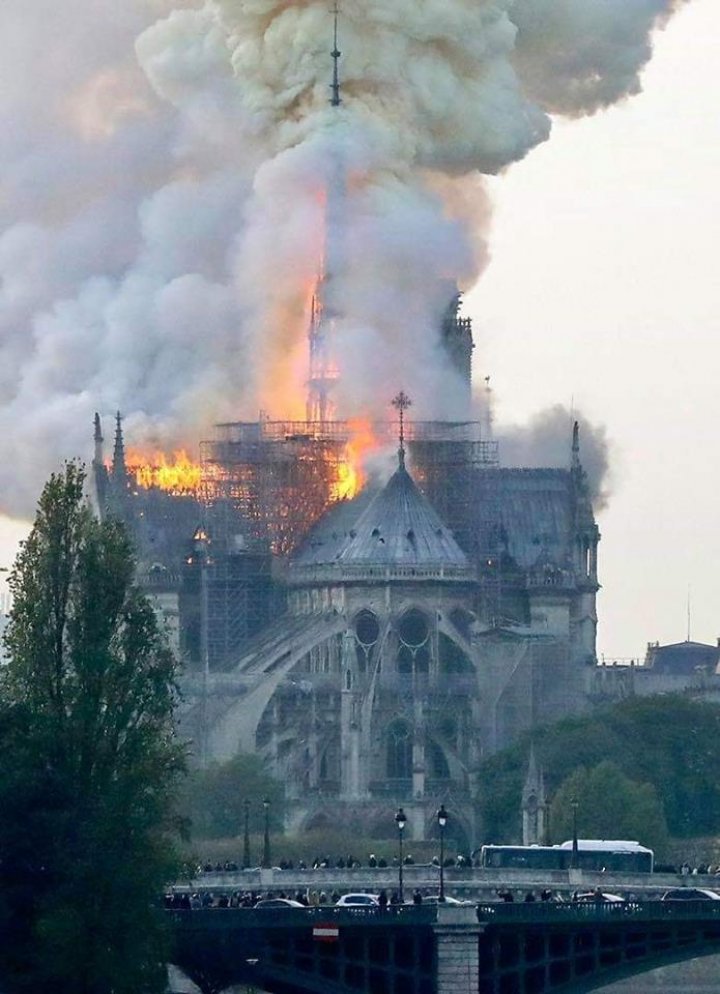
(400, 527)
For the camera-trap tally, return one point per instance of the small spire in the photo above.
(402, 403)
(118, 466)
(336, 53)
(98, 439)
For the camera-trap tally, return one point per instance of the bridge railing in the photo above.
(500, 911)
(407, 914)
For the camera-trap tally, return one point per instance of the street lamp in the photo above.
(401, 822)
(246, 837)
(574, 855)
(442, 820)
(266, 860)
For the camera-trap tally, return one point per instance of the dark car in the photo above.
(690, 894)
(278, 902)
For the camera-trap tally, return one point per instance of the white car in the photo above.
(278, 902)
(357, 901)
(434, 899)
(599, 897)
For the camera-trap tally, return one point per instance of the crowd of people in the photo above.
(341, 863)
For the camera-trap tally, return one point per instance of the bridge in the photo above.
(495, 948)
(475, 883)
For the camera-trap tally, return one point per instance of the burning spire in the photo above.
(336, 53)
(323, 368)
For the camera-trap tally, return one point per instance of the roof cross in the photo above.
(402, 403)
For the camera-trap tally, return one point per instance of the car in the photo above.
(599, 896)
(357, 901)
(434, 899)
(690, 894)
(277, 902)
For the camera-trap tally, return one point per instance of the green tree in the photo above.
(669, 741)
(214, 798)
(88, 761)
(609, 806)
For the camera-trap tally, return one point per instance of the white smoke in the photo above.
(162, 165)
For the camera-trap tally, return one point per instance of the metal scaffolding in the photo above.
(266, 483)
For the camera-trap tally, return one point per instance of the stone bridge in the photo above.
(475, 883)
(492, 949)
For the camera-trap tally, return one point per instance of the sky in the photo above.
(602, 294)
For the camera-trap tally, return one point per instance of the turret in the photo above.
(586, 540)
(587, 534)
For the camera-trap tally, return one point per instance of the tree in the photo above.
(89, 761)
(609, 806)
(669, 741)
(214, 798)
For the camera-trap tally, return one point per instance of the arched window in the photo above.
(437, 763)
(413, 628)
(399, 752)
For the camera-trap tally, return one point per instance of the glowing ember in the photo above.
(177, 474)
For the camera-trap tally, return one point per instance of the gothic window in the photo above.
(439, 769)
(413, 632)
(413, 628)
(405, 660)
(348, 680)
(367, 628)
(422, 660)
(399, 752)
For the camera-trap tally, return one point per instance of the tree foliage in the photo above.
(214, 798)
(88, 761)
(609, 806)
(671, 742)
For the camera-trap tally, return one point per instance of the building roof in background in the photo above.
(682, 658)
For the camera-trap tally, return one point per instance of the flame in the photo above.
(351, 475)
(176, 474)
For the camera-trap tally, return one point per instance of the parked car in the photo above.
(434, 899)
(357, 901)
(690, 894)
(278, 902)
(600, 897)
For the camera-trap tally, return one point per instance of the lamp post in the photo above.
(266, 860)
(401, 822)
(442, 820)
(574, 854)
(246, 837)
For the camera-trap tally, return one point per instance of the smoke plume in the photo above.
(166, 168)
(545, 441)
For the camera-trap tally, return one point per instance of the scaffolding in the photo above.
(266, 483)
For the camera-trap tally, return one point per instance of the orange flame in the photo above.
(177, 474)
(352, 475)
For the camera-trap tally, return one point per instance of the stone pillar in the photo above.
(457, 932)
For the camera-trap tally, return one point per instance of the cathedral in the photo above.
(402, 657)
(372, 648)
